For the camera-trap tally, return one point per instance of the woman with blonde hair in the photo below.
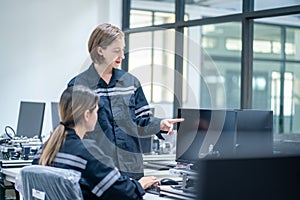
(124, 115)
(65, 148)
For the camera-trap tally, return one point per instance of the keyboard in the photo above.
(176, 191)
(154, 189)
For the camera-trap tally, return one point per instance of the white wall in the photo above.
(43, 44)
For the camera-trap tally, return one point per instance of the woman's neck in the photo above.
(104, 71)
(80, 131)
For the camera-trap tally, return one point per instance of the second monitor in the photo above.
(31, 118)
(223, 133)
(254, 133)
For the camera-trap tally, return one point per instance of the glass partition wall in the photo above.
(223, 54)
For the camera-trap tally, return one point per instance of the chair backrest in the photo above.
(45, 183)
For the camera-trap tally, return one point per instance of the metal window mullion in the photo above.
(126, 6)
(247, 56)
(282, 78)
(178, 72)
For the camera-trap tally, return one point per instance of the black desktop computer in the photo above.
(205, 132)
(31, 118)
(23, 143)
(209, 140)
(259, 178)
(223, 133)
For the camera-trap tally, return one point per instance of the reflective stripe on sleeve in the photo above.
(71, 160)
(106, 182)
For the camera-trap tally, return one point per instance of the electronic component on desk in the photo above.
(24, 150)
(182, 170)
(188, 178)
(26, 141)
(4, 141)
(6, 151)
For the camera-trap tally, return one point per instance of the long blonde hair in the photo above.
(73, 103)
(102, 36)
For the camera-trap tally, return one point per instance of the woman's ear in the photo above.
(100, 51)
(86, 115)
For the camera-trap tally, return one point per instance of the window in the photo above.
(210, 60)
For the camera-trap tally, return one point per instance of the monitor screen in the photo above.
(54, 114)
(260, 178)
(254, 132)
(31, 117)
(203, 129)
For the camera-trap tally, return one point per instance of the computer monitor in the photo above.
(31, 118)
(256, 178)
(203, 129)
(254, 132)
(54, 114)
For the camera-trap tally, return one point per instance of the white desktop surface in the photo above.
(149, 196)
(11, 173)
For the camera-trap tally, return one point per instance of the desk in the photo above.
(8, 171)
(149, 196)
(8, 175)
(11, 174)
(161, 174)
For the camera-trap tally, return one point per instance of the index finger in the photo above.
(176, 120)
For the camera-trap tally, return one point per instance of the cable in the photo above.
(10, 135)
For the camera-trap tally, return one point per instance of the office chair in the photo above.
(47, 183)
